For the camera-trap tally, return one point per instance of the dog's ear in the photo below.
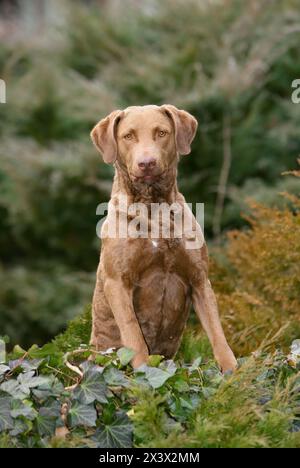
(103, 136)
(185, 126)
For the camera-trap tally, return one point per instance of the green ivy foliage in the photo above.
(45, 403)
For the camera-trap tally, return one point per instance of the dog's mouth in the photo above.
(148, 178)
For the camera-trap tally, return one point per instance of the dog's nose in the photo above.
(147, 163)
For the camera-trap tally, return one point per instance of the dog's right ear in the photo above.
(103, 136)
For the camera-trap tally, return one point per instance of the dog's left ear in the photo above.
(185, 126)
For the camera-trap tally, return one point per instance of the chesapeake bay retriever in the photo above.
(145, 286)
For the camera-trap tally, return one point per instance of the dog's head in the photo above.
(146, 140)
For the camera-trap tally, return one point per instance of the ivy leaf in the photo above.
(115, 377)
(23, 409)
(34, 364)
(80, 414)
(20, 427)
(53, 387)
(52, 408)
(125, 355)
(169, 366)
(49, 351)
(89, 366)
(92, 388)
(13, 388)
(155, 376)
(45, 422)
(6, 421)
(28, 380)
(48, 419)
(118, 434)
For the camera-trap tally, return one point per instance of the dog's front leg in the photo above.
(205, 305)
(120, 300)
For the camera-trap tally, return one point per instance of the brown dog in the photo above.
(145, 286)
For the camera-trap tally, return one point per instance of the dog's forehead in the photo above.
(137, 116)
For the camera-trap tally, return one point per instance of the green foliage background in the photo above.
(229, 62)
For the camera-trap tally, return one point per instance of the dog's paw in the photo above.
(139, 359)
(227, 361)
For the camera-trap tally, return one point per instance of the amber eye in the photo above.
(128, 136)
(162, 133)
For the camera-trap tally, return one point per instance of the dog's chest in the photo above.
(160, 295)
(160, 257)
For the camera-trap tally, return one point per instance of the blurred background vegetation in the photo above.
(69, 63)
